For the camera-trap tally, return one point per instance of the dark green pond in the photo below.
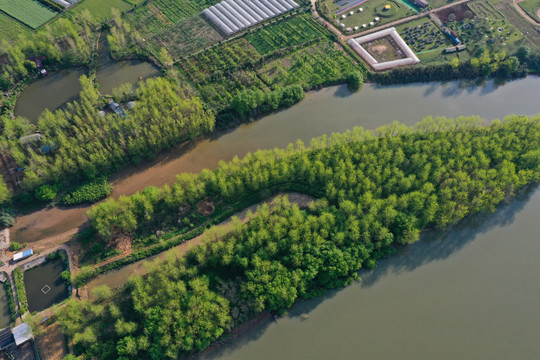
(44, 285)
(4, 307)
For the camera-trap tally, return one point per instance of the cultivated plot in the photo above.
(29, 12)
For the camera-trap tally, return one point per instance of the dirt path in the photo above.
(524, 14)
(119, 277)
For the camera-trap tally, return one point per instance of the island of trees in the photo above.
(374, 192)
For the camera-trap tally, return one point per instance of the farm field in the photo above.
(176, 25)
(506, 8)
(372, 9)
(531, 7)
(101, 9)
(10, 28)
(29, 12)
(425, 39)
(296, 31)
(317, 65)
(488, 29)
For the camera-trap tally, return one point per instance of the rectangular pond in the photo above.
(5, 315)
(44, 285)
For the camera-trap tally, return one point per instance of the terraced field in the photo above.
(29, 12)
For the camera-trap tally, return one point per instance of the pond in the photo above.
(58, 88)
(5, 314)
(111, 74)
(470, 293)
(44, 285)
(333, 109)
(50, 92)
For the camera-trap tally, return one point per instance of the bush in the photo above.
(52, 256)
(84, 274)
(15, 246)
(6, 219)
(46, 192)
(66, 276)
(354, 81)
(89, 192)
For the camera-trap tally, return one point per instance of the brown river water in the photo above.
(332, 109)
(469, 293)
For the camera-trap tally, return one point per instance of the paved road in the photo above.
(524, 14)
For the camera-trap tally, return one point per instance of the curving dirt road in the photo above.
(524, 14)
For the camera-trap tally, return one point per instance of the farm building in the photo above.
(421, 3)
(30, 139)
(231, 16)
(23, 255)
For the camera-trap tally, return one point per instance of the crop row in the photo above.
(292, 32)
(29, 12)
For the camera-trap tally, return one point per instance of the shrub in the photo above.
(66, 276)
(89, 192)
(46, 192)
(6, 218)
(15, 246)
(355, 80)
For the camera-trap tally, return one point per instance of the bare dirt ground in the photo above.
(51, 344)
(23, 352)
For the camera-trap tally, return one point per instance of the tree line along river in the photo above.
(471, 292)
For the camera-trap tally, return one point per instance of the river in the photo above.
(332, 109)
(470, 293)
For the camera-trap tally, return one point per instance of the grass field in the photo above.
(296, 31)
(101, 9)
(373, 9)
(29, 12)
(531, 7)
(11, 28)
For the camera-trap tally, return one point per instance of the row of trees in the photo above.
(375, 190)
(486, 65)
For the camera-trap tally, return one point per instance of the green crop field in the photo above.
(296, 31)
(29, 12)
(10, 28)
(176, 25)
(531, 7)
(101, 9)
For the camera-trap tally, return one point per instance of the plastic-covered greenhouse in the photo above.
(234, 15)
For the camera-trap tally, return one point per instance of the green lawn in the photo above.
(11, 28)
(373, 9)
(101, 9)
(29, 12)
(531, 7)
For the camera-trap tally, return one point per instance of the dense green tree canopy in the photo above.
(375, 192)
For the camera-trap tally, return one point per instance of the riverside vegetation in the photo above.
(375, 191)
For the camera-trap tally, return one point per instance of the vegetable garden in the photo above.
(175, 25)
(296, 31)
(29, 12)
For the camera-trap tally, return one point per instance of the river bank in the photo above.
(333, 109)
(454, 294)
